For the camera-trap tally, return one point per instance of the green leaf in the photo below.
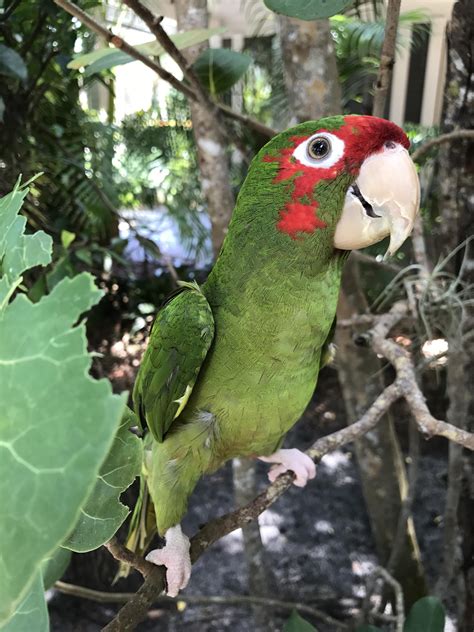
(31, 613)
(297, 624)
(426, 614)
(103, 512)
(54, 566)
(67, 238)
(56, 422)
(18, 251)
(105, 58)
(11, 64)
(308, 9)
(220, 68)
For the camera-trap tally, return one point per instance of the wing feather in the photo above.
(179, 342)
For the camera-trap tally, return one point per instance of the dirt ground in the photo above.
(318, 540)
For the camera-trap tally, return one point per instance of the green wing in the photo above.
(179, 341)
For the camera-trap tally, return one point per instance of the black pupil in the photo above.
(319, 148)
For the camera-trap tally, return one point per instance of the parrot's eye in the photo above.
(320, 151)
(319, 148)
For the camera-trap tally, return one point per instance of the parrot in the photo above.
(231, 365)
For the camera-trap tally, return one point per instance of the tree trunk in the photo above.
(310, 69)
(314, 91)
(456, 187)
(209, 135)
(261, 580)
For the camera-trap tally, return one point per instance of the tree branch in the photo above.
(387, 57)
(405, 385)
(153, 22)
(220, 600)
(459, 134)
(118, 42)
(406, 377)
(136, 609)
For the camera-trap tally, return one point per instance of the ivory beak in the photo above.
(384, 200)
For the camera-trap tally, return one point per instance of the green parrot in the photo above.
(231, 365)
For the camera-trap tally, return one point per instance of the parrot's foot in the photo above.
(293, 460)
(175, 556)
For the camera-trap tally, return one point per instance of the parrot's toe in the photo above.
(292, 460)
(175, 556)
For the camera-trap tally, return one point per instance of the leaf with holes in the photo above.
(56, 422)
(103, 512)
(308, 9)
(220, 68)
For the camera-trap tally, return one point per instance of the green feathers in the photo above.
(180, 339)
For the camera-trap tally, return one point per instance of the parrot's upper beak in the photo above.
(384, 200)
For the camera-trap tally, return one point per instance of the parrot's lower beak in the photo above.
(384, 200)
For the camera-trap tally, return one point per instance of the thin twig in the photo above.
(387, 57)
(459, 134)
(121, 44)
(122, 554)
(118, 42)
(153, 22)
(197, 600)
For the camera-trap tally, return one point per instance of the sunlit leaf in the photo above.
(105, 58)
(67, 238)
(220, 68)
(103, 512)
(308, 9)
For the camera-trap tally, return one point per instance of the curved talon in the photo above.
(175, 556)
(291, 460)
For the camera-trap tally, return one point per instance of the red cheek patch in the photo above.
(299, 218)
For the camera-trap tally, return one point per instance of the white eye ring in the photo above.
(336, 151)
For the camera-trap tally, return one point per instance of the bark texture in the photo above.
(456, 189)
(311, 76)
(261, 581)
(209, 135)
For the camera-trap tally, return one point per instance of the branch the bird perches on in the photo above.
(404, 386)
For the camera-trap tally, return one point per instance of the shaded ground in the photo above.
(318, 540)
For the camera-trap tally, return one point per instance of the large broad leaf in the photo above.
(56, 422)
(308, 9)
(297, 624)
(220, 68)
(11, 64)
(31, 614)
(105, 58)
(103, 512)
(426, 614)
